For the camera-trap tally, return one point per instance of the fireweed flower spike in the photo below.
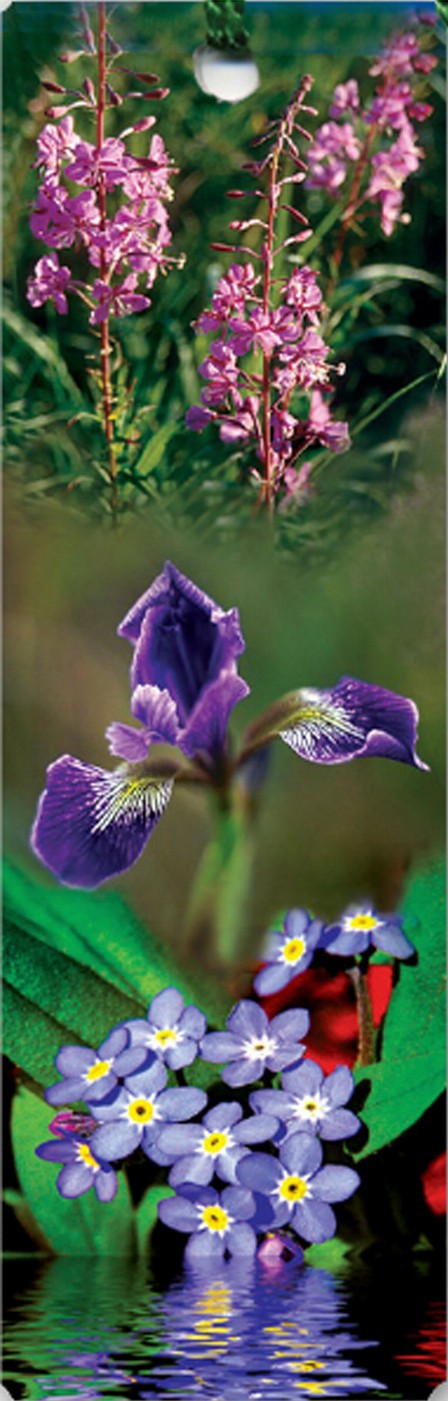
(360, 928)
(126, 245)
(275, 319)
(365, 153)
(81, 1168)
(253, 1044)
(289, 951)
(296, 1189)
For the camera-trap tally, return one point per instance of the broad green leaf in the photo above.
(83, 1226)
(331, 1255)
(101, 931)
(146, 1214)
(412, 1071)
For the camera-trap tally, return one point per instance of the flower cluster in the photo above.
(266, 370)
(378, 141)
(92, 824)
(290, 950)
(131, 1105)
(125, 248)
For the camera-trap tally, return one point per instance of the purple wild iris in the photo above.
(184, 670)
(353, 721)
(360, 927)
(311, 1101)
(81, 1168)
(135, 1114)
(171, 1030)
(253, 1044)
(297, 1190)
(217, 1224)
(289, 951)
(92, 824)
(215, 1146)
(92, 1075)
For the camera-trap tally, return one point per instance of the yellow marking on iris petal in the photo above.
(97, 1071)
(293, 950)
(362, 924)
(293, 1188)
(215, 1142)
(166, 1036)
(215, 1218)
(86, 1157)
(141, 1111)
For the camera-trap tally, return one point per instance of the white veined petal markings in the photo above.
(127, 800)
(321, 726)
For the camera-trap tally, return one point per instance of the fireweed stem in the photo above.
(351, 206)
(366, 1029)
(105, 336)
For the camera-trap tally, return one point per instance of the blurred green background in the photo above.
(193, 480)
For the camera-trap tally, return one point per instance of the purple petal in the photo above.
(157, 711)
(99, 1090)
(183, 1054)
(62, 1151)
(301, 1154)
(105, 1184)
(258, 1129)
(74, 1180)
(166, 1008)
(259, 1172)
(314, 1221)
(66, 1092)
(286, 1055)
(335, 1184)
(274, 1102)
(241, 1239)
(219, 1046)
(272, 978)
(74, 1061)
(176, 1140)
(290, 1026)
(181, 1104)
(339, 1086)
(149, 1081)
(354, 720)
(115, 1140)
(390, 939)
(193, 1023)
(179, 1213)
(90, 824)
(306, 1079)
(349, 942)
(204, 1245)
(242, 1072)
(223, 1116)
(238, 1202)
(341, 1123)
(116, 1042)
(109, 1110)
(207, 726)
(125, 742)
(247, 1019)
(130, 1060)
(198, 1169)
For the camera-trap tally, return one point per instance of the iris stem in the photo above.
(366, 1027)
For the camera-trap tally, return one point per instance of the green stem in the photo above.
(216, 916)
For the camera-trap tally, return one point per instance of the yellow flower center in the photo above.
(293, 1189)
(166, 1037)
(311, 1105)
(215, 1218)
(363, 923)
(86, 1157)
(310, 1366)
(215, 1142)
(141, 1111)
(97, 1071)
(312, 1388)
(293, 950)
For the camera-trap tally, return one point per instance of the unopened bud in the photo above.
(55, 112)
(236, 194)
(52, 87)
(114, 97)
(112, 45)
(144, 125)
(89, 90)
(70, 56)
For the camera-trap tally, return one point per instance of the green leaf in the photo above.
(146, 1214)
(374, 272)
(153, 452)
(83, 1226)
(412, 1071)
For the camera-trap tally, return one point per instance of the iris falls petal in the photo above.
(90, 824)
(354, 720)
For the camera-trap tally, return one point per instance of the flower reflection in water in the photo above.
(239, 1332)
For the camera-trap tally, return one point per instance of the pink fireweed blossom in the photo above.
(268, 344)
(49, 283)
(121, 300)
(361, 161)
